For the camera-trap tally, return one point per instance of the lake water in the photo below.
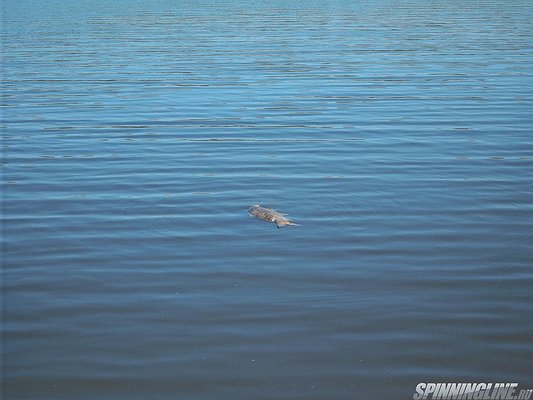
(135, 135)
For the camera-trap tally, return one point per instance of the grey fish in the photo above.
(269, 215)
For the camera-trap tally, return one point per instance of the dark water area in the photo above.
(135, 134)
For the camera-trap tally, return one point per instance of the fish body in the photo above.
(270, 215)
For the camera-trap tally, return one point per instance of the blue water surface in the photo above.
(135, 134)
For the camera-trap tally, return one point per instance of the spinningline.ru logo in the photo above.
(474, 391)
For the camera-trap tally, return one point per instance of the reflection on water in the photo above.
(136, 134)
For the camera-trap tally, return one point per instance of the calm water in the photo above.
(136, 133)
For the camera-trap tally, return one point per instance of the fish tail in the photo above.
(286, 223)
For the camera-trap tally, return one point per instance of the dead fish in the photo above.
(269, 215)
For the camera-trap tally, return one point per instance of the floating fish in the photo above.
(269, 215)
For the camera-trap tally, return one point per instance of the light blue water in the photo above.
(136, 134)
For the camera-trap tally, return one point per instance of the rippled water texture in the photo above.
(135, 134)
